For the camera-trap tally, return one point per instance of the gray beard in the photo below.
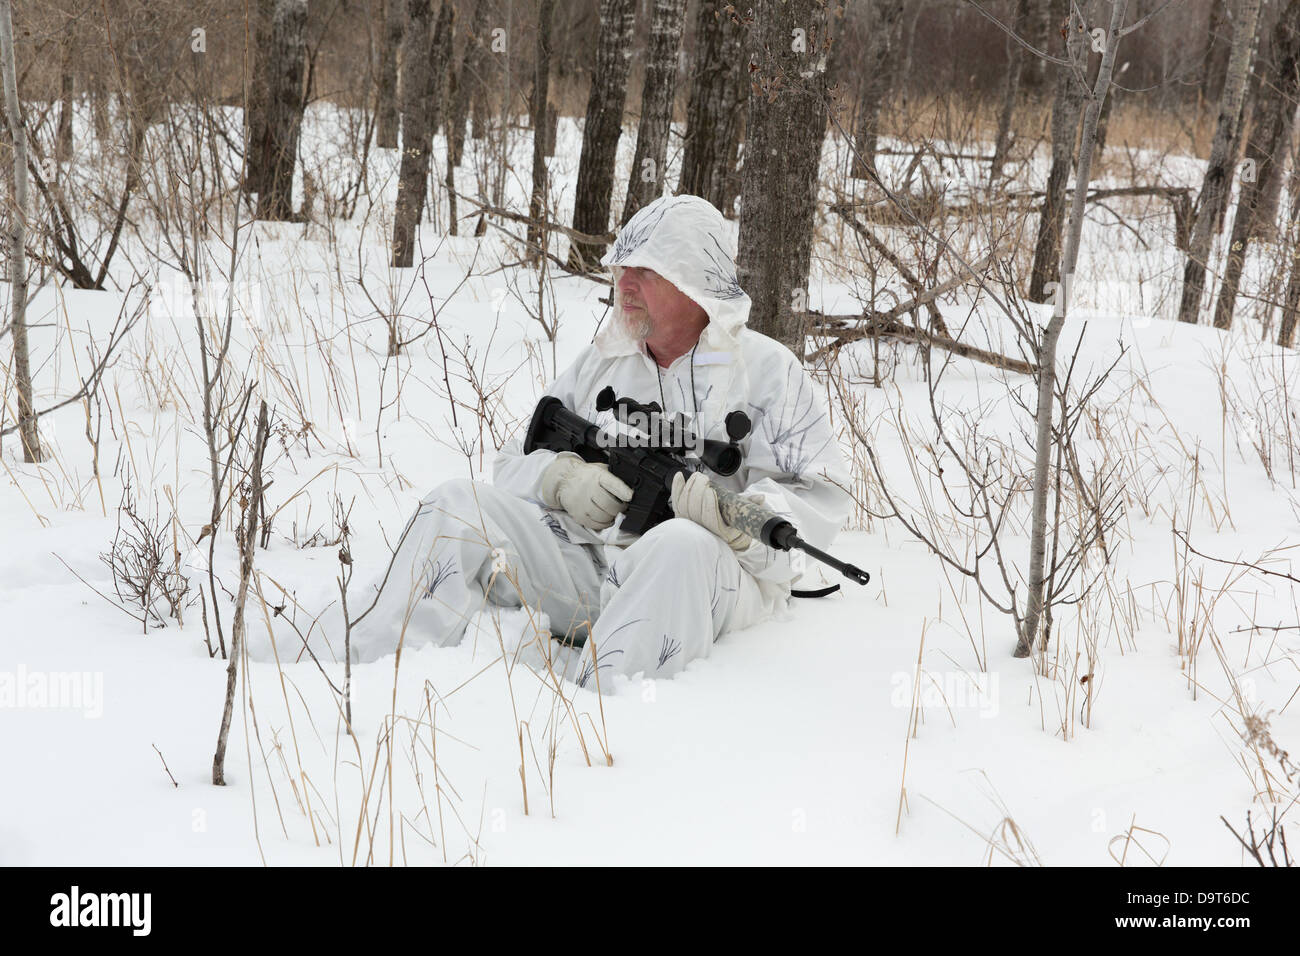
(639, 326)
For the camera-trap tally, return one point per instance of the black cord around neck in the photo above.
(663, 402)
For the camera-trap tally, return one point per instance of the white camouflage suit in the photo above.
(657, 601)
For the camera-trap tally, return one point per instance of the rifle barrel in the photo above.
(852, 572)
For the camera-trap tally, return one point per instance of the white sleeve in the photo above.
(795, 466)
(521, 474)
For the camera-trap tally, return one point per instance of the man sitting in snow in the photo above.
(546, 532)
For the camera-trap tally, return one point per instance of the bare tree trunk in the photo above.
(787, 123)
(1015, 64)
(711, 116)
(1245, 118)
(1065, 127)
(541, 92)
(63, 147)
(1264, 223)
(98, 106)
(1042, 28)
(552, 128)
(602, 129)
(1211, 67)
(1103, 124)
(453, 214)
(1291, 302)
(732, 181)
(646, 182)
(444, 45)
(386, 125)
(883, 20)
(27, 430)
(1291, 299)
(479, 114)
(424, 67)
(440, 93)
(1218, 174)
(469, 79)
(504, 78)
(284, 109)
(247, 551)
(916, 9)
(415, 131)
(263, 12)
(1035, 598)
(463, 81)
(1265, 149)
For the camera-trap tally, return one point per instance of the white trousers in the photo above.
(648, 608)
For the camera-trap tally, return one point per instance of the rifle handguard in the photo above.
(776, 532)
(745, 514)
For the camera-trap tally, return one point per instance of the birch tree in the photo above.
(1211, 60)
(1065, 126)
(1034, 599)
(1264, 224)
(27, 431)
(1218, 173)
(1265, 149)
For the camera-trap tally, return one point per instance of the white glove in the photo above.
(695, 499)
(585, 490)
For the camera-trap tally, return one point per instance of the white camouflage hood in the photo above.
(685, 240)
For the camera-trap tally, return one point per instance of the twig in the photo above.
(164, 763)
(99, 592)
(1247, 564)
(603, 239)
(844, 212)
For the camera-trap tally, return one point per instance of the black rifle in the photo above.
(648, 462)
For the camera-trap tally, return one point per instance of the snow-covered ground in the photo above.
(887, 724)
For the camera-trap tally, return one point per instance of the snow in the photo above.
(792, 743)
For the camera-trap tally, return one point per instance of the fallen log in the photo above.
(847, 329)
(605, 238)
(842, 210)
(933, 204)
(880, 326)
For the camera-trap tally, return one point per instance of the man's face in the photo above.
(652, 304)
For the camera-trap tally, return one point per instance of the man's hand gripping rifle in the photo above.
(647, 463)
